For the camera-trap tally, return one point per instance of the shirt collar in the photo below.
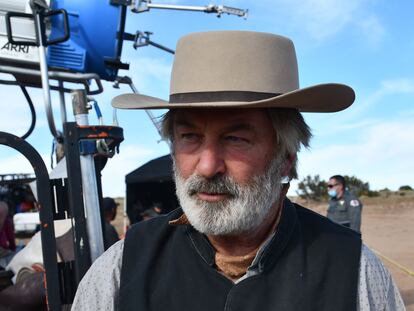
(268, 252)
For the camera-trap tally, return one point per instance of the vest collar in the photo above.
(267, 254)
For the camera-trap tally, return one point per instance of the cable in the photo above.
(115, 117)
(52, 153)
(32, 110)
(399, 266)
(97, 110)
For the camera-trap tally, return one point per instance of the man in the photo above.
(238, 243)
(109, 211)
(344, 207)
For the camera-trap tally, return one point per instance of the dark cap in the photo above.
(108, 204)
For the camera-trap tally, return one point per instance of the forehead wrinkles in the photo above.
(222, 119)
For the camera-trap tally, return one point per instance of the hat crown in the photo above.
(224, 69)
(234, 61)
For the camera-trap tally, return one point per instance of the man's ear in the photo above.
(290, 159)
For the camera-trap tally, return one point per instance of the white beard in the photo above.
(245, 208)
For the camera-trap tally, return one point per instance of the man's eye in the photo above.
(236, 139)
(189, 136)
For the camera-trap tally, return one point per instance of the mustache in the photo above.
(218, 184)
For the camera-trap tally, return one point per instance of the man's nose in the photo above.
(211, 161)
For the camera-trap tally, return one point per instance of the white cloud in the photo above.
(16, 163)
(362, 124)
(151, 76)
(402, 85)
(358, 115)
(387, 88)
(406, 113)
(15, 115)
(113, 175)
(372, 29)
(383, 157)
(322, 19)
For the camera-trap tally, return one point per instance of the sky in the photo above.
(366, 44)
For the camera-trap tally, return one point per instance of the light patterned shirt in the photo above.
(99, 288)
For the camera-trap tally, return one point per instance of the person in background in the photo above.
(134, 212)
(28, 202)
(154, 211)
(109, 211)
(7, 237)
(344, 207)
(27, 290)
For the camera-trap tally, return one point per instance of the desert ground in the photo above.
(387, 228)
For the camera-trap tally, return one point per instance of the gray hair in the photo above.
(291, 132)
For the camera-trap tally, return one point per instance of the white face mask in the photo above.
(244, 210)
(332, 193)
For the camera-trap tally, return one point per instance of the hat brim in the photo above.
(329, 97)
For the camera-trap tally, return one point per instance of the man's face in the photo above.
(333, 184)
(226, 173)
(234, 142)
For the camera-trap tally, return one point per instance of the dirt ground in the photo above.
(387, 228)
(390, 232)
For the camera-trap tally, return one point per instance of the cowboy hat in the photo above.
(239, 69)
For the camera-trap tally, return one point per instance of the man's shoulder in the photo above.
(352, 199)
(321, 223)
(155, 225)
(147, 241)
(350, 195)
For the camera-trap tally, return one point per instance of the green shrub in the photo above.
(312, 188)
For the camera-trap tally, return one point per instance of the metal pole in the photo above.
(44, 74)
(146, 5)
(89, 184)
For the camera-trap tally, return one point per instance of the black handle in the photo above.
(9, 16)
(66, 31)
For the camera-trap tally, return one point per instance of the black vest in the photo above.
(310, 264)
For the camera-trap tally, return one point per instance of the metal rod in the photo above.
(176, 7)
(83, 78)
(161, 47)
(89, 184)
(218, 9)
(149, 112)
(62, 103)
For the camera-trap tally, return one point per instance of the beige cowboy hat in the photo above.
(224, 69)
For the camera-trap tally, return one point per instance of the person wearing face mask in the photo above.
(344, 207)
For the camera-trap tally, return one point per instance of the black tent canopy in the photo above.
(157, 170)
(149, 185)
